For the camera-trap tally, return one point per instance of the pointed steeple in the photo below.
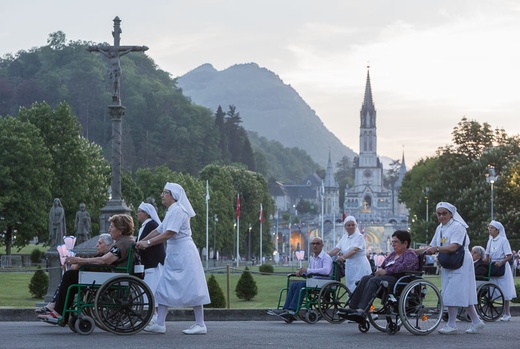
(402, 172)
(330, 181)
(368, 110)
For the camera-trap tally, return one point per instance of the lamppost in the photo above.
(215, 220)
(491, 178)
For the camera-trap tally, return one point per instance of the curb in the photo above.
(28, 314)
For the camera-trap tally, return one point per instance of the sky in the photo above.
(432, 62)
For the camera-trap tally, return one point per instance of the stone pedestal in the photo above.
(54, 271)
(111, 208)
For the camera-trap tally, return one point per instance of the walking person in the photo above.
(498, 253)
(153, 257)
(183, 283)
(459, 288)
(351, 249)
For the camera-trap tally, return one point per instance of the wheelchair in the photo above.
(413, 302)
(320, 298)
(109, 297)
(490, 300)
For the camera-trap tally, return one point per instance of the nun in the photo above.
(183, 283)
(498, 253)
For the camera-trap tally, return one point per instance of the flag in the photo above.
(261, 218)
(308, 230)
(207, 191)
(238, 205)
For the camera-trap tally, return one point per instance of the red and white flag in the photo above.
(238, 205)
(261, 218)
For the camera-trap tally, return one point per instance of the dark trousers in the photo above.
(291, 300)
(70, 277)
(366, 289)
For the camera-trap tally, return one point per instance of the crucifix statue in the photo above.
(114, 53)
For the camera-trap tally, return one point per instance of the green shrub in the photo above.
(246, 286)
(266, 269)
(215, 293)
(39, 283)
(517, 299)
(36, 256)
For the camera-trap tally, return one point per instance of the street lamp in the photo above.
(215, 220)
(491, 178)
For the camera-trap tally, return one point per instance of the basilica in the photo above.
(372, 199)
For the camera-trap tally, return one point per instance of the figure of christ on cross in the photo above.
(114, 53)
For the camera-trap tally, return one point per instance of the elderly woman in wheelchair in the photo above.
(405, 296)
(401, 260)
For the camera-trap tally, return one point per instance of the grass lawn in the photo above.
(14, 290)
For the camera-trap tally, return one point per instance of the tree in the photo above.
(457, 175)
(39, 283)
(80, 173)
(25, 177)
(215, 294)
(246, 286)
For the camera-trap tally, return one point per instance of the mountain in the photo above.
(266, 105)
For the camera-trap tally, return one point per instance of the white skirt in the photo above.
(183, 282)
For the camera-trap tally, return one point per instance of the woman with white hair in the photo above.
(183, 283)
(498, 253)
(459, 288)
(351, 249)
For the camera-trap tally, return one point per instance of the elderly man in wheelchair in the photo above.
(419, 305)
(320, 268)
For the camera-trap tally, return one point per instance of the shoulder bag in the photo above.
(452, 260)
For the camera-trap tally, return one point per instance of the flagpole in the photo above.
(207, 222)
(238, 229)
(322, 213)
(277, 247)
(261, 221)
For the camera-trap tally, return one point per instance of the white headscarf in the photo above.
(150, 210)
(500, 228)
(180, 197)
(453, 210)
(351, 219)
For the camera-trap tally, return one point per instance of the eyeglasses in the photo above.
(443, 213)
(166, 192)
(396, 242)
(315, 243)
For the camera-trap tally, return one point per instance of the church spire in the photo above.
(330, 181)
(368, 110)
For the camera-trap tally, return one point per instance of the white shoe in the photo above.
(505, 318)
(196, 329)
(155, 328)
(476, 328)
(448, 330)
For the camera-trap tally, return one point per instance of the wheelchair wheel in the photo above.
(364, 326)
(392, 328)
(378, 316)
(312, 316)
(420, 307)
(72, 322)
(84, 325)
(333, 296)
(490, 300)
(124, 305)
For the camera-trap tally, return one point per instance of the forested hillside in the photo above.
(160, 126)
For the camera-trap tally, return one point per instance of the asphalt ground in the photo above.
(256, 334)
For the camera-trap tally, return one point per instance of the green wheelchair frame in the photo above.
(111, 297)
(320, 298)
